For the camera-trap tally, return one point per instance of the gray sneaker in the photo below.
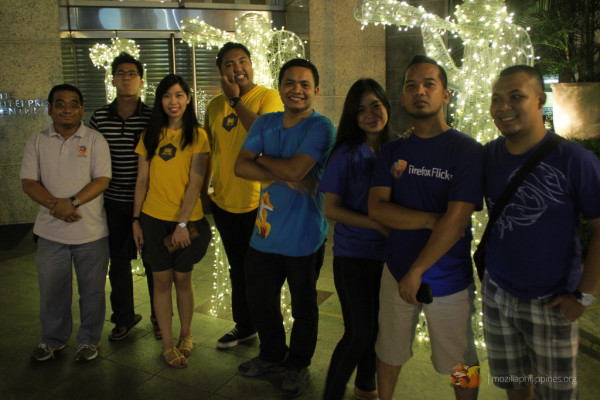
(295, 381)
(87, 352)
(256, 367)
(44, 352)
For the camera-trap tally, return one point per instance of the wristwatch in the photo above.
(75, 202)
(182, 224)
(585, 299)
(233, 101)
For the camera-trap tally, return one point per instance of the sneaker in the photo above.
(233, 338)
(295, 381)
(44, 352)
(256, 367)
(87, 352)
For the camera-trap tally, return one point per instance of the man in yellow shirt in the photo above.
(234, 201)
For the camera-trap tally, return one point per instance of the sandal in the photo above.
(172, 356)
(185, 345)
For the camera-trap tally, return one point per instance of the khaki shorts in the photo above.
(449, 320)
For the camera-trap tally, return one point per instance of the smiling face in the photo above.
(126, 80)
(372, 116)
(66, 110)
(297, 89)
(423, 94)
(174, 102)
(517, 103)
(237, 66)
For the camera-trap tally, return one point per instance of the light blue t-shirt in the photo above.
(288, 222)
(348, 175)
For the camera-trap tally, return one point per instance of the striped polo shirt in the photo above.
(122, 137)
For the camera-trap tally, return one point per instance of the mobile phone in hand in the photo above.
(425, 294)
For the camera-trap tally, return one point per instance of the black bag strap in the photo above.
(516, 181)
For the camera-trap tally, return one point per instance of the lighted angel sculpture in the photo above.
(270, 48)
(491, 43)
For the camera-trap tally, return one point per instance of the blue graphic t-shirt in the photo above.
(533, 250)
(288, 222)
(348, 175)
(424, 175)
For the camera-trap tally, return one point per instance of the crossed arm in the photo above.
(62, 208)
(446, 228)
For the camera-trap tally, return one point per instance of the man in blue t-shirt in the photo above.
(435, 171)
(287, 151)
(534, 288)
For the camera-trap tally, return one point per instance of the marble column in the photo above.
(30, 65)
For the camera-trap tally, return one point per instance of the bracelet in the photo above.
(135, 219)
(256, 157)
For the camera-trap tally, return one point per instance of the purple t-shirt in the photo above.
(348, 175)
(424, 175)
(533, 250)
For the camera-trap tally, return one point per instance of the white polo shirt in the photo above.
(64, 167)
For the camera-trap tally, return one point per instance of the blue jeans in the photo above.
(265, 275)
(55, 262)
(236, 231)
(357, 283)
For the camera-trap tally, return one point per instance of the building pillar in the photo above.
(30, 65)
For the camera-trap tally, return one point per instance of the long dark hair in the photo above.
(159, 119)
(348, 131)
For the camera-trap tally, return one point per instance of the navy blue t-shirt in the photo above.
(348, 175)
(424, 175)
(533, 249)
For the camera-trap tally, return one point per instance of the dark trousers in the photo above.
(122, 251)
(357, 283)
(265, 275)
(236, 231)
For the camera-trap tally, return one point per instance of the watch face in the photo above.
(587, 300)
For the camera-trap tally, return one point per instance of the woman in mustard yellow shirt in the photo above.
(173, 156)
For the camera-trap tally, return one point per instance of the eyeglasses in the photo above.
(63, 106)
(128, 74)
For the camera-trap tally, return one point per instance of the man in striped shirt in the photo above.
(122, 122)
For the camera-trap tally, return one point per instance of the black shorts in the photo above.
(155, 254)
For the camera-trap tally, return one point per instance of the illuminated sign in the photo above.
(10, 106)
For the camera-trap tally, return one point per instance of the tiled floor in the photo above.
(134, 369)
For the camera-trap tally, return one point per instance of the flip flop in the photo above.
(116, 333)
(177, 356)
(185, 345)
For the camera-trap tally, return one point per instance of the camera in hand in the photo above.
(425, 294)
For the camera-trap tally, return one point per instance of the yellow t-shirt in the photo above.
(170, 174)
(231, 193)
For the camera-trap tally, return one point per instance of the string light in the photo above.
(491, 43)
(270, 48)
(102, 56)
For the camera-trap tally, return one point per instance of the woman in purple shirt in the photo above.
(358, 242)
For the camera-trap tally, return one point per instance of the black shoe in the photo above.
(121, 332)
(256, 367)
(295, 381)
(233, 338)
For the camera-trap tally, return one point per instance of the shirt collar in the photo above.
(114, 112)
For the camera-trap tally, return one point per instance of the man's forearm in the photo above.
(93, 189)
(590, 277)
(396, 216)
(247, 168)
(38, 193)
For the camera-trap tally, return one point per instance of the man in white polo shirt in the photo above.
(65, 168)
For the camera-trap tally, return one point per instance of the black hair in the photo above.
(159, 119)
(348, 131)
(67, 87)
(300, 62)
(230, 46)
(526, 69)
(421, 59)
(125, 58)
